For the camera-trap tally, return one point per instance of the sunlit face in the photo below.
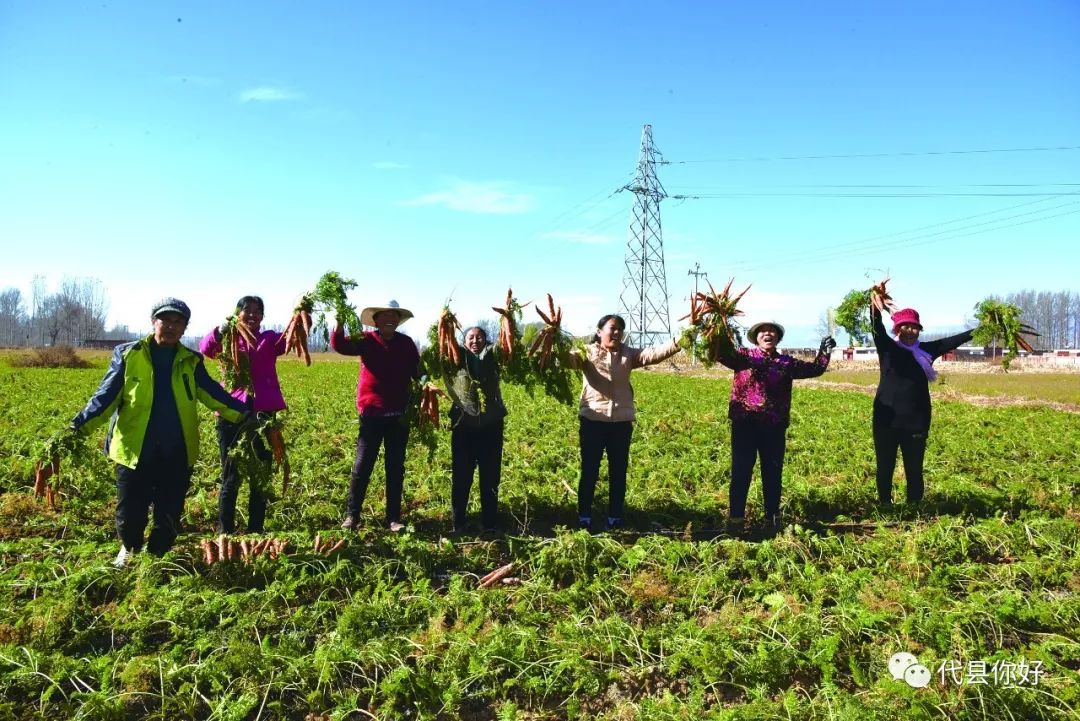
(169, 327)
(475, 340)
(611, 335)
(386, 322)
(252, 316)
(767, 338)
(908, 333)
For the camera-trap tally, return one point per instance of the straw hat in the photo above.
(756, 328)
(367, 315)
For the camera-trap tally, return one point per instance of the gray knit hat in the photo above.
(171, 305)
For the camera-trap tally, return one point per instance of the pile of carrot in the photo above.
(230, 549)
(328, 546)
(545, 339)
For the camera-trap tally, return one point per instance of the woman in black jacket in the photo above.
(902, 402)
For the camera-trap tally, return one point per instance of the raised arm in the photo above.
(339, 343)
(648, 356)
(804, 369)
(941, 346)
(210, 345)
(723, 351)
(882, 340)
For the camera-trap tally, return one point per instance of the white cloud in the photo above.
(489, 198)
(269, 94)
(389, 165)
(578, 236)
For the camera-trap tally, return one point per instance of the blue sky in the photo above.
(435, 150)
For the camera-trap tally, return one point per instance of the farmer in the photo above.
(476, 440)
(606, 412)
(263, 396)
(389, 361)
(150, 390)
(760, 411)
(902, 402)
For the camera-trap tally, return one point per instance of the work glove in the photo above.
(827, 345)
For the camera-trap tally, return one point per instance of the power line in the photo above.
(812, 258)
(734, 196)
(879, 185)
(1048, 148)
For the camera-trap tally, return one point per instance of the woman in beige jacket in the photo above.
(606, 412)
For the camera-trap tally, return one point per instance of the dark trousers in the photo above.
(393, 434)
(913, 448)
(230, 482)
(473, 448)
(749, 441)
(595, 438)
(159, 481)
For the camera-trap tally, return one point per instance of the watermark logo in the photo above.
(905, 667)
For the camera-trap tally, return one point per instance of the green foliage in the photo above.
(853, 315)
(331, 295)
(999, 322)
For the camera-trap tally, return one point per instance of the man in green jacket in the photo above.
(150, 393)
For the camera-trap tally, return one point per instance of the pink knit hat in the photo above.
(905, 315)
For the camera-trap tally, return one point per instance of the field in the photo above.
(670, 619)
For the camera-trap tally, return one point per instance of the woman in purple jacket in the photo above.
(264, 396)
(760, 410)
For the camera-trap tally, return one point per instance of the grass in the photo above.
(671, 619)
(1053, 387)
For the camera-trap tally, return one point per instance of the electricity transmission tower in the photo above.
(644, 297)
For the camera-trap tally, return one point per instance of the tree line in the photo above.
(73, 313)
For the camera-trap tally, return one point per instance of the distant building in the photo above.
(100, 343)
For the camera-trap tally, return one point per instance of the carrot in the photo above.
(208, 552)
(497, 575)
(223, 547)
(245, 548)
(234, 550)
(337, 546)
(318, 542)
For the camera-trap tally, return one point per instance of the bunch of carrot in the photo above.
(508, 329)
(230, 549)
(43, 472)
(542, 345)
(712, 317)
(880, 298)
(298, 330)
(448, 327)
(429, 405)
(68, 445)
(234, 363)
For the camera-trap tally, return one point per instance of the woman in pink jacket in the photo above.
(264, 396)
(606, 413)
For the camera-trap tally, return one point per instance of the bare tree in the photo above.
(12, 317)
